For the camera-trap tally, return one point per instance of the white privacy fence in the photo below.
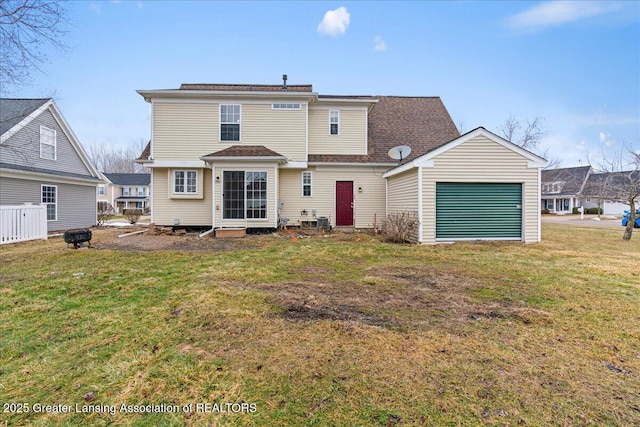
(21, 223)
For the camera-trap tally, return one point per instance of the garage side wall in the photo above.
(481, 160)
(402, 193)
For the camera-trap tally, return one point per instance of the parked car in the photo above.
(627, 216)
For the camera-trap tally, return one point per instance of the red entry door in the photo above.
(344, 203)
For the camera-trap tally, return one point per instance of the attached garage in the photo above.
(478, 211)
(476, 187)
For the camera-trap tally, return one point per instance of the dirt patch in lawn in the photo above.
(388, 297)
(108, 239)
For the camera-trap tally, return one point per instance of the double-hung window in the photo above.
(140, 191)
(334, 122)
(47, 143)
(49, 194)
(306, 184)
(126, 191)
(101, 190)
(244, 195)
(185, 182)
(229, 122)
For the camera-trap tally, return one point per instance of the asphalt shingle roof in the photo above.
(245, 151)
(47, 171)
(573, 179)
(129, 178)
(13, 111)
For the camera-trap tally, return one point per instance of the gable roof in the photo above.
(573, 179)
(129, 178)
(19, 112)
(13, 111)
(425, 159)
(256, 152)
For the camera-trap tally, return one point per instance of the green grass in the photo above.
(327, 331)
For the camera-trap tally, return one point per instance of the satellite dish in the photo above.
(400, 152)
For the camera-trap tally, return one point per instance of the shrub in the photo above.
(401, 227)
(593, 211)
(575, 210)
(545, 211)
(105, 212)
(132, 215)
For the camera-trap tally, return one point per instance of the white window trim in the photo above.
(46, 204)
(141, 193)
(284, 106)
(310, 183)
(338, 123)
(101, 191)
(128, 193)
(220, 123)
(185, 192)
(266, 218)
(55, 143)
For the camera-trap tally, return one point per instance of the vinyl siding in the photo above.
(187, 131)
(367, 204)
(481, 160)
(23, 148)
(190, 212)
(352, 138)
(76, 203)
(402, 193)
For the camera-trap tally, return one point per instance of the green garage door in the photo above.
(473, 211)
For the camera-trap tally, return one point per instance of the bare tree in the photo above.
(619, 181)
(118, 159)
(527, 136)
(26, 26)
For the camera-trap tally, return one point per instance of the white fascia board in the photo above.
(8, 134)
(338, 107)
(38, 176)
(320, 165)
(199, 164)
(168, 94)
(400, 169)
(534, 164)
(295, 165)
(269, 159)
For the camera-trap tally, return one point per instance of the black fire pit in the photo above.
(77, 237)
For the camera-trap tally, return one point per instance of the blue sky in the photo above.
(577, 64)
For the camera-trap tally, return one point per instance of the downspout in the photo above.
(419, 204)
(213, 201)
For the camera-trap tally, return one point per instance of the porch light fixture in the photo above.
(359, 189)
(217, 179)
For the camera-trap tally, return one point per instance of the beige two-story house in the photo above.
(255, 156)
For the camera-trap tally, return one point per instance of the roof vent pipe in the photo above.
(284, 82)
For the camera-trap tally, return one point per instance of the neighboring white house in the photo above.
(125, 190)
(42, 162)
(249, 156)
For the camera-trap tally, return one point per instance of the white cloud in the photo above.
(379, 44)
(606, 139)
(335, 22)
(557, 12)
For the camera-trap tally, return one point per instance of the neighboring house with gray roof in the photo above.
(611, 191)
(562, 188)
(125, 191)
(42, 162)
(254, 156)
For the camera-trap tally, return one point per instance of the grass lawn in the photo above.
(342, 330)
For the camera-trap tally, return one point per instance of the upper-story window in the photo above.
(47, 143)
(140, 191)
(102, 190)
(126, 191)
(283, 106)
(334, 122)
(229, 123)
